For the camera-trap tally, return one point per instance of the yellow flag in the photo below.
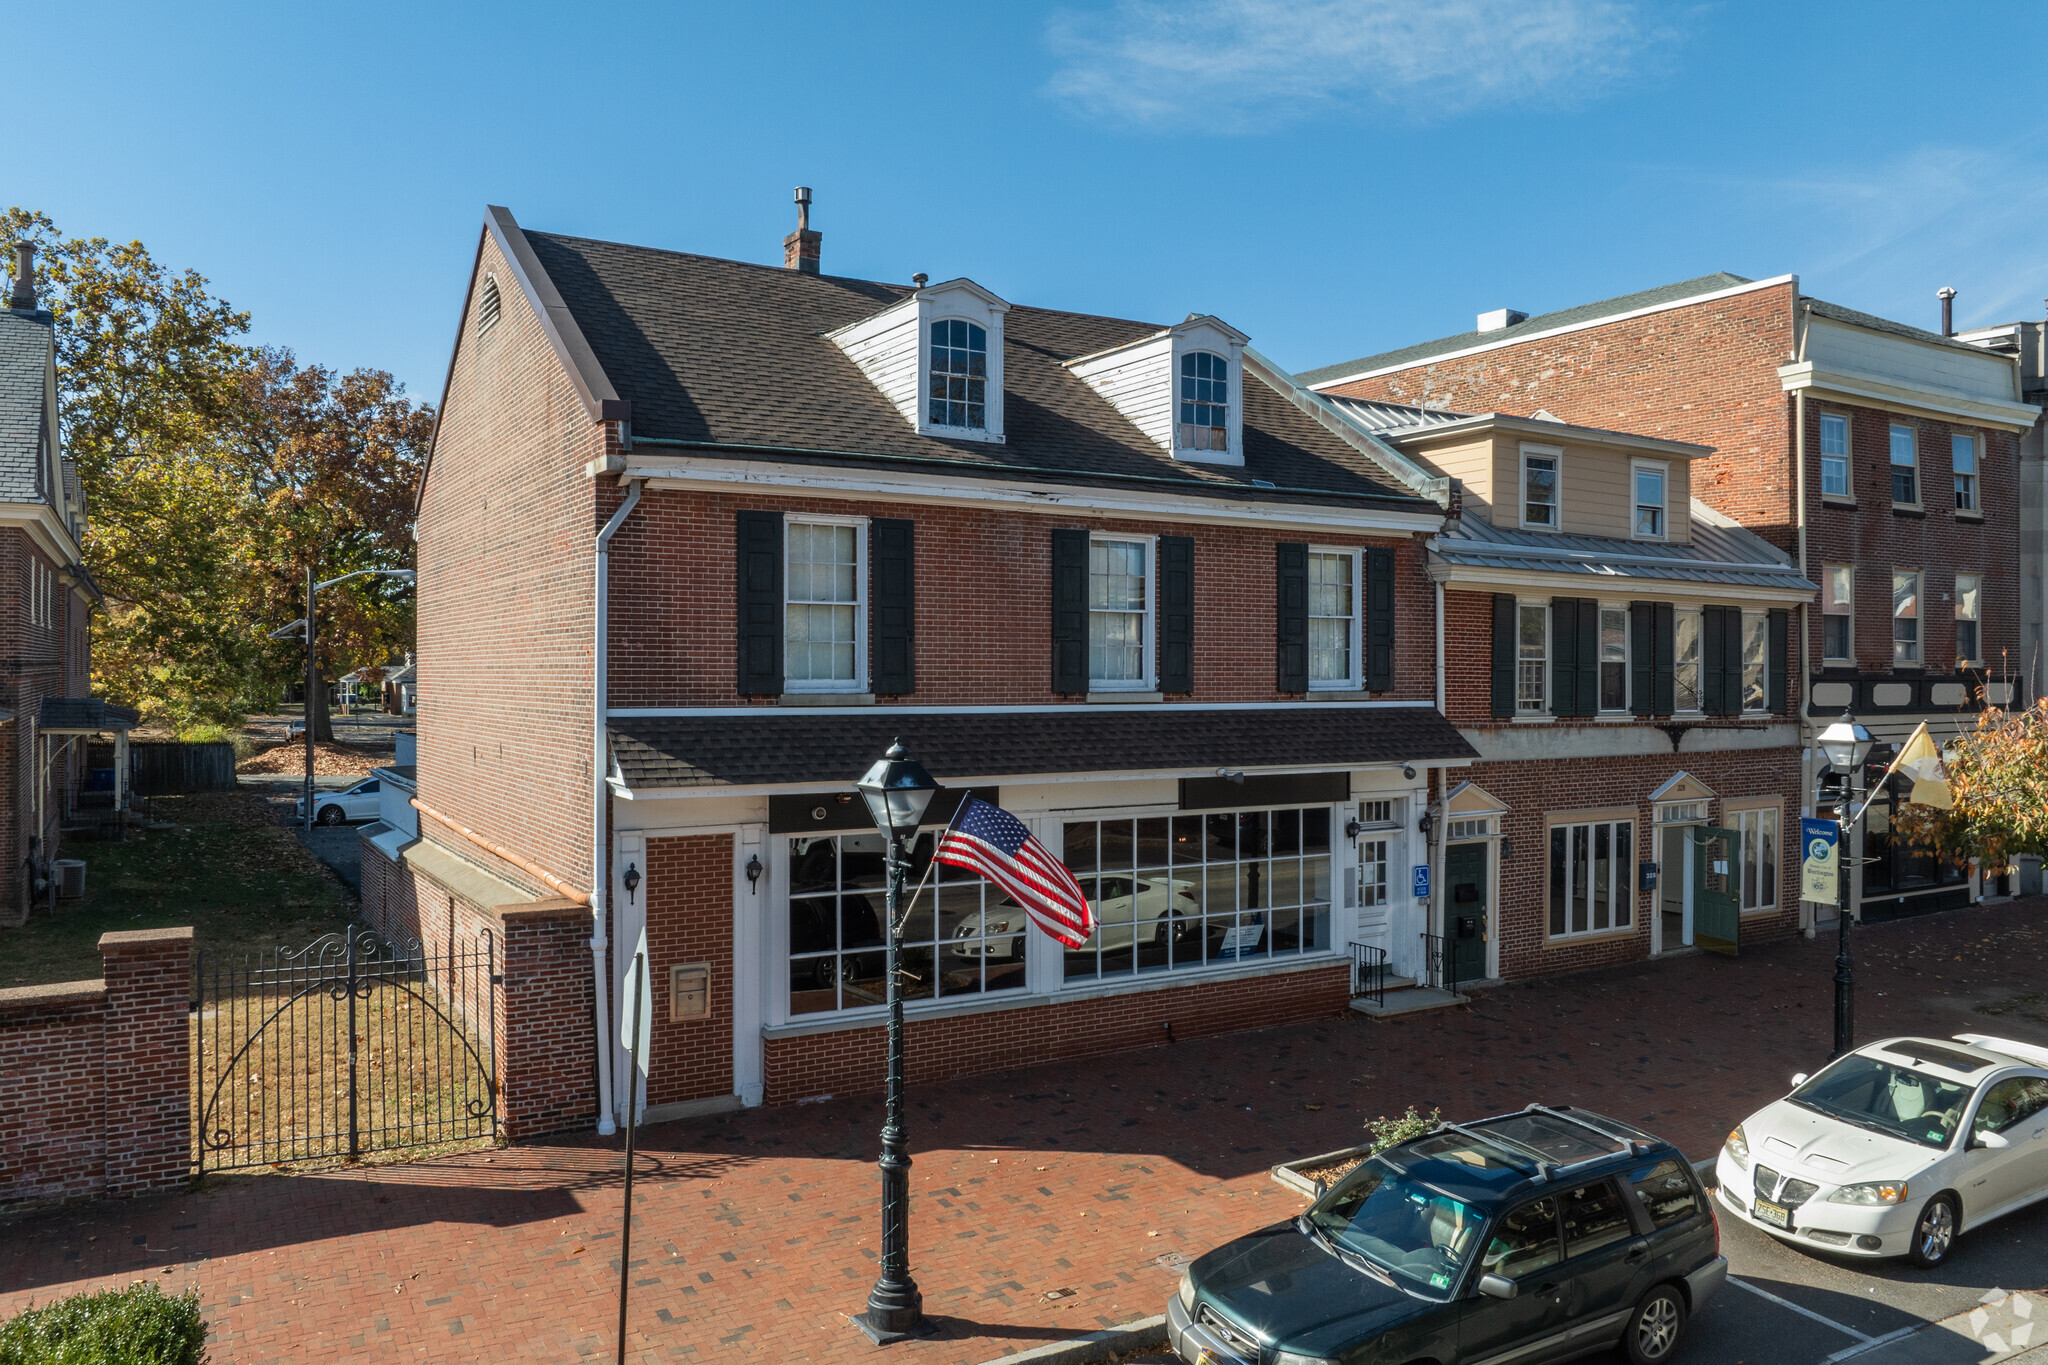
(1920, 759)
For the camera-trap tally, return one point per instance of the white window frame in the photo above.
(1662, 469)
(1601, 660)
(991, 340)
(1621, 874)
(1148, 681)
(1543, 706)
(859, 682)
(1919, 618)
(1554, 454)
(1976, 618)
(1230, 397)
(1698, 662)
(1758, 620)
(1973, 489)
(1848, 465)
(1744, 818)
(1827, 572)
(1912, 435)
(1352, 681)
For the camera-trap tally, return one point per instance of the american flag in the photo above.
(991, 841)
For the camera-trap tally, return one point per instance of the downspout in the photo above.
(1441, 708)
(600, 877)
(1806, 773)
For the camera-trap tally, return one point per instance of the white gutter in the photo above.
(600, 768)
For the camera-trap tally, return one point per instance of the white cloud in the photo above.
(1246, 63)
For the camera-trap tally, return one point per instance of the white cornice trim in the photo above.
(1093, 709)
(44, 527)
(712, 473)
(1532, 581)
(1856, 385)
(1569, 327)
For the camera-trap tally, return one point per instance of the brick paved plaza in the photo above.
(756, 1234)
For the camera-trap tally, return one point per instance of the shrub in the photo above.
(139, 1325)
(1385, 1132)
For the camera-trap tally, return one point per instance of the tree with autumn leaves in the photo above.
(1997, 777)
(215, 474)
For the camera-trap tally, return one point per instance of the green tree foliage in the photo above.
(215, 474)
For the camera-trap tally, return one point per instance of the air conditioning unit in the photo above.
(70, 874)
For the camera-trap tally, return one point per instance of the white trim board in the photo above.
(1091, 709)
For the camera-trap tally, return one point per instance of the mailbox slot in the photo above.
(689, 991)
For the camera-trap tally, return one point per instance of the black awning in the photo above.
(84, 715)
(776, 747)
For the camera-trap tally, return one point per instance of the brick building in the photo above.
(733, 529)
(1881, 458)
(46, 597)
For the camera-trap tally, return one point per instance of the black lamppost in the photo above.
(1846, 745)
(897, 790)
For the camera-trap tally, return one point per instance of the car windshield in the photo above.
(1421, 1235)
(1898, 1100)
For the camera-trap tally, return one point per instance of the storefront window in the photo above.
(1592, 886)
(1193, 890)
(961, 936)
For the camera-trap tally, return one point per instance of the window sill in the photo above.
(1615, 717)
(1546, 530)
(1846, 664)
(1338, 694)
(1535, 720)
(1969, 516)
(826, 699)
(1837, 500)
(1551, 944)
(1904, 509)
(1100, 697)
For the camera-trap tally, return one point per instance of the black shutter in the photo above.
(1642, 658)
(760, 604)
(1589, 658)
(1731, 660)
(1176, 613)
(1564, 656)
(1291, 602)
(1069, 610)
(1379, 620)
(1720, 661)
(895, 607)
(1504, 655)
(1775, 673)
(1666, 699)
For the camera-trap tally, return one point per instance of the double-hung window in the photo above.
(1685, 659)
(1963, 457)
(1333, 619)
(1759, 831)
(1532, 658)
(1834, 455)
(824, 607)
(1120, 615)
(1756, 656)
(1614, 658)
(1837, 613)
(1539, 488)
(1905, 466)
(1204, 402)
(1969, 605)
(1592, 877)
(1650, 507)
(1906, 617)
(959, 376)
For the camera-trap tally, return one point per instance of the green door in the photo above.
(1716, 914)
(1465, 928)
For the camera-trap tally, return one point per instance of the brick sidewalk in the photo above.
(756, 1234)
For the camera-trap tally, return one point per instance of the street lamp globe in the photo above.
(1846, 744)
(897, 790)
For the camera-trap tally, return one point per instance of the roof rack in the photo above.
(1540, 1164)
(1631, 1139)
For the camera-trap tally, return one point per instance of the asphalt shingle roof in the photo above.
(728, 353)
(790, 747)
(25, 343)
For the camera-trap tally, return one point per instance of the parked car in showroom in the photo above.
(343, 807)
(1896, 1148)
(1533, 1236)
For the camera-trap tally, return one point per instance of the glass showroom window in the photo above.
(961, 937)
(1905, 466)
(1649, 480)
(1532, 658)
(1119, 614)
(1539, 490)
(1613, 658)
(1756, 654)
(1969, 603)
(1834, 455)
(1963, 456)
(1592, 877)
(1204, 402)
(959, 376)
(1905, 616)
(1759, 831)
(1181, 891)
(1685, 660)
(1332, 618)
(822, 613)
(1837, 612)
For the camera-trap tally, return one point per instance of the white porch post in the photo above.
(120, 771)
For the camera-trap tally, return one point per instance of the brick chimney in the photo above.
(800, 248)
(24, 295)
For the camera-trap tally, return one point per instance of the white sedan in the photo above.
(1895, 1148)
(359, 802)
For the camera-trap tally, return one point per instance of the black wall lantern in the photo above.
(632, 880)
(1426, 823)
(753, 871)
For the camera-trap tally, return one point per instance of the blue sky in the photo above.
(1334, 177)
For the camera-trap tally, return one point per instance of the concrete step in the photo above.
(1413, 1000)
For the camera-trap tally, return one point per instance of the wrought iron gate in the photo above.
(354, 1043)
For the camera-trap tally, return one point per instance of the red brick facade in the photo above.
(689, 921)
(46, 655)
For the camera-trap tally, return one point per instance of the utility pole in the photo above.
(310, 680)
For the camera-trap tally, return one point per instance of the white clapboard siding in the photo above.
(1138, 382)
(1832, 345)
(885, 347)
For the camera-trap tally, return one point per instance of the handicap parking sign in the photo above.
(1422, 881)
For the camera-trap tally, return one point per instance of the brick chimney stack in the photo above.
(800, 248)
(24, 295)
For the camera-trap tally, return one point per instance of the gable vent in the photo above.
(488, 306)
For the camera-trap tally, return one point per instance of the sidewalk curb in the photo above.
(1093, 1347)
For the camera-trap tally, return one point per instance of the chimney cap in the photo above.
(918, 280)
(24, 292)
(1945, 292)
(1500, 319)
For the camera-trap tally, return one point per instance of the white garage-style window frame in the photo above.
(1334, 618)
(1122, 606)
(824, 610)
(1592, 869)
(1542, 476)
(1650, 481)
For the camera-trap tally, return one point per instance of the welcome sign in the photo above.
(1820, 867)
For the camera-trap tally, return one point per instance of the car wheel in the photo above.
(332, 815)
(825, 975)
(1656, 1328)
(1934, 1235)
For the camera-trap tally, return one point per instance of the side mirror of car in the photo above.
(1798, 1079)
(1322, 1187)
(1996, 1142)
(1496, 1286)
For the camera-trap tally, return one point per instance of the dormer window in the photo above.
(959, 376)
(1204, 402)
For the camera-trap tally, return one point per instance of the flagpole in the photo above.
(896, 925)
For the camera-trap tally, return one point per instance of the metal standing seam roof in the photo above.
(1720, 552)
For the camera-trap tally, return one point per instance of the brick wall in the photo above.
(36, 661)
(95, 1076)
(689, 920)
(983, 592)
(850, 1061)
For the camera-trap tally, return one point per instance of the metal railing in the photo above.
(1439, 963)
(1369, 973)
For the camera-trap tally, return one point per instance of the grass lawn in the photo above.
(240, 879)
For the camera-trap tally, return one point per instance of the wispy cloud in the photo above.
(1247, 64)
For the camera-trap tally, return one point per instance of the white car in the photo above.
(335, 808)
(1896, 1148)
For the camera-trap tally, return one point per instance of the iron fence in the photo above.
(1369, 973)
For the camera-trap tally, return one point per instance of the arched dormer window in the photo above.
(959, 376)
(488, 305)
(1204, 402)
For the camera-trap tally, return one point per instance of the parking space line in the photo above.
(1863, 1338)
(1862, 1346)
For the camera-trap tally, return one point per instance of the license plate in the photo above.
(1777, 1215)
